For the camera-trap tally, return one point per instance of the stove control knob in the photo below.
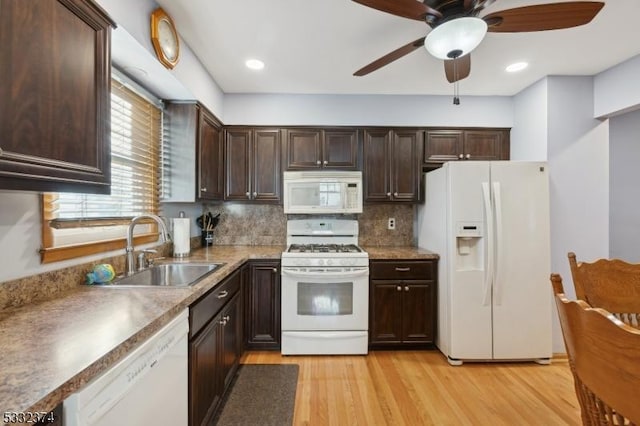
(329, 262)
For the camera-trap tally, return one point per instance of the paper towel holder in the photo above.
(181, 239)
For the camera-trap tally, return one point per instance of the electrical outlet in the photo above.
(391, 224)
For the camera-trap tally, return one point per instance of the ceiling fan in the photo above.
(457, 28)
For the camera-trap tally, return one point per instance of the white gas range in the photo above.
(325, 289)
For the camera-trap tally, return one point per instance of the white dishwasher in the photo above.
(149, 386)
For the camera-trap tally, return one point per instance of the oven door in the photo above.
(325, 298)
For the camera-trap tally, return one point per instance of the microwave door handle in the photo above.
(323, 274)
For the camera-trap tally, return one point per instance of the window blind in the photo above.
(136, 128)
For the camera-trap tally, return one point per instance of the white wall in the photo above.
(382, 110)
(617, 89)
(134, 18)
(529, 132)
(624, 197)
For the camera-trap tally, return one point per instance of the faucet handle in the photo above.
(143, 262)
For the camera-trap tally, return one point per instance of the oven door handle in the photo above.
(322, 273)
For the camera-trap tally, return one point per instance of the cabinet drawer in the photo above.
(397, 270)
(210, 304)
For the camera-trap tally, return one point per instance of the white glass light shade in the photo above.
(464, 34)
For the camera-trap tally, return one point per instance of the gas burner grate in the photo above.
(324, 248)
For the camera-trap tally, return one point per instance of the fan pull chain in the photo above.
(456, 88)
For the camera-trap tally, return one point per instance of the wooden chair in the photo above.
(610, 284)
(604, 355)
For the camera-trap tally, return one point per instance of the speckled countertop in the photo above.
(52, 348)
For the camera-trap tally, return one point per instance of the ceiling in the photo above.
(315, 46)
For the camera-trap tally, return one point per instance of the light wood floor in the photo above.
(421, 388)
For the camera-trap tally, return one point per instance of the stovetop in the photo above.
(324, 248)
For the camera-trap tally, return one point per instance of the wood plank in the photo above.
(420, 387)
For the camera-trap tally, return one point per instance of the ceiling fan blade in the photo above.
(461, 69)
(411, 9)
(543, 17)
(390, 57)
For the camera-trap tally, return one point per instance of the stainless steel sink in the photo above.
(168, 275)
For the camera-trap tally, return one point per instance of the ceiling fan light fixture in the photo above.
(460, 34)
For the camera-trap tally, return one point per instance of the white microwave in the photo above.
(322, 192)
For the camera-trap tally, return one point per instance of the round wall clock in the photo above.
(165, 38)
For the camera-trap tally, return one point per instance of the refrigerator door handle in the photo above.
(497, 204)
(490, 243)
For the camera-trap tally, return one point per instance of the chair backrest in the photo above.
(610, 284)
(604, 355)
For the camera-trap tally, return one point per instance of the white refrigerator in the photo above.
(489, 222)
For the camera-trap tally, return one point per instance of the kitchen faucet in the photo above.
(130, 262)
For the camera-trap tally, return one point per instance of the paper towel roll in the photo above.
(181, 236)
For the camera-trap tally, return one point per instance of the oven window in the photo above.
(325, 299)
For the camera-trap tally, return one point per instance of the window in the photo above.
(75, 225)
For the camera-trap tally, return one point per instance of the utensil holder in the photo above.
(206, 238)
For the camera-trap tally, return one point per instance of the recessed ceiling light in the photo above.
(518, 66)
(254, 64)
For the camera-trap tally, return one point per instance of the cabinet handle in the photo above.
(406, 288)
(325, 162)
(318, 162)
(461, 156)
(399, 288)
(402, 269)
(468, 156)
(223, 294)
(203, 189)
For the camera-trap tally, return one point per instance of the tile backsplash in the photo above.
(251, 224)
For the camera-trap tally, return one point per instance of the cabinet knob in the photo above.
(325, 162)
(406, 288)
(395, 194)
(248, 194)
(1, 152)
(227, 318)
(388, 194)
(275, 270)
(203, 189)
(461, 156)
(223, 322)
(468, 156)
(318, 162)
(399, 288)
(255, 194)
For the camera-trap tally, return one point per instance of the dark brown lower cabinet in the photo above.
(262, 305)
(215, 347)
(402, 305)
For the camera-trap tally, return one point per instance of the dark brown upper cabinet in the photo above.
(194, 151)
(392, 165)
(442, 145)
(252, 164)
(315, 149)
(55, 96)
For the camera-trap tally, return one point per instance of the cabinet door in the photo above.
(376, 178)
(231, 333)
(443, 145)
(263, 301)
(418, 311)
(385, 312)
(210, 158)
(237, 163)
(204, 370)
(485, 145)
(55, 96)
(340, 149)
(406, 170)
(303, 149)
(266, 170)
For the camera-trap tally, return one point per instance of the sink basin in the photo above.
(168, 275)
